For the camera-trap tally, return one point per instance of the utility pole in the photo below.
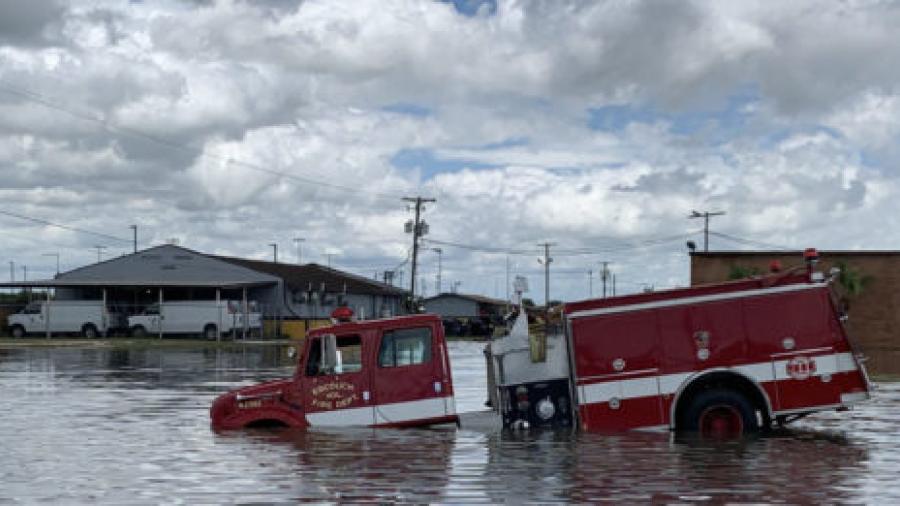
(133, 229)
(417, 228)
(590, 283)
(604, 275)
(546, 263)
(57, 260)
(12, 271)
(440, 253)
(24, 273)
(328, 256)
(100, 252)
(274, 251)
(705, 215)
(297, 241)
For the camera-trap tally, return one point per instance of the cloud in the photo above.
(29, 23)
(597, 126)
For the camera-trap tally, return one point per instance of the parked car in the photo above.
(90, 318)
(205, 317)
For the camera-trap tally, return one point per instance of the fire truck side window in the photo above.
(314, 360)
(349, 356)
(405, 347)
(349, 352)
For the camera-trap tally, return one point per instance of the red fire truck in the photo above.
(723, 359)
(380, 373)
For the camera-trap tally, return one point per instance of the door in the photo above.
(407, 381)
(34, 317)
(152, 318)
(336, 388)
(617, 371)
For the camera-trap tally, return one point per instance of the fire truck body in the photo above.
(731, 357)
(379, 373)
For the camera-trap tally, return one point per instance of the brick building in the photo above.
(874, 314)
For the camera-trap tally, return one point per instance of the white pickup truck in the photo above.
(205, 317)
(90, 318)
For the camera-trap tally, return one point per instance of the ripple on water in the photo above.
(132, 427)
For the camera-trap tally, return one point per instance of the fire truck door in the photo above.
(406, 379)
(617, 371)
(336, 389)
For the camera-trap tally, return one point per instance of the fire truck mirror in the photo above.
(291, 351)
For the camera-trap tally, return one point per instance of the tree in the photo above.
(851, 281)
(742, 272)
(527, 302)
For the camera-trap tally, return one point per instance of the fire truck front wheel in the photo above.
(720, 412)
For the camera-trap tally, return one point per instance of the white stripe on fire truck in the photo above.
(384, 413)
(693, 300)
(413, 410)
(667, 384)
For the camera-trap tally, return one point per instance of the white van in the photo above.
(204, 317)
(89, 318)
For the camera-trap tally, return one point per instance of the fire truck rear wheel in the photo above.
(720, 412)
(209, 332)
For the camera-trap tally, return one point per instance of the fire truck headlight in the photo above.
(545, 409)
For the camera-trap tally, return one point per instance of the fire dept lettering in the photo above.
(333, 395)
(801, 368)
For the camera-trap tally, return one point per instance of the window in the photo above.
(33, 308)
(348, 357)
(152, 309)
(405, 347)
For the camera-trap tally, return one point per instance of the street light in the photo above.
(297, 241)
(134, 229)
(440, 253)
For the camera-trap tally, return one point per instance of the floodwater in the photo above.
(130, 426)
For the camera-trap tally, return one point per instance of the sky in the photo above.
(595, 126)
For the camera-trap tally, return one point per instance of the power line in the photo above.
(749, 242)
(567, 252)
(65, 227)
(110, 127)
(482, 249)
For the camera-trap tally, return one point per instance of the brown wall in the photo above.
(874, 314)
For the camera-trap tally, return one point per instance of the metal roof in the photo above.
(161, 266)
(63, 283)
(481, 299)
(314, 276)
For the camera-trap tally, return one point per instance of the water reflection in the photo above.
(131, 426)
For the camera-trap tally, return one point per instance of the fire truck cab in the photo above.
(726, 358)
(379, 373)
